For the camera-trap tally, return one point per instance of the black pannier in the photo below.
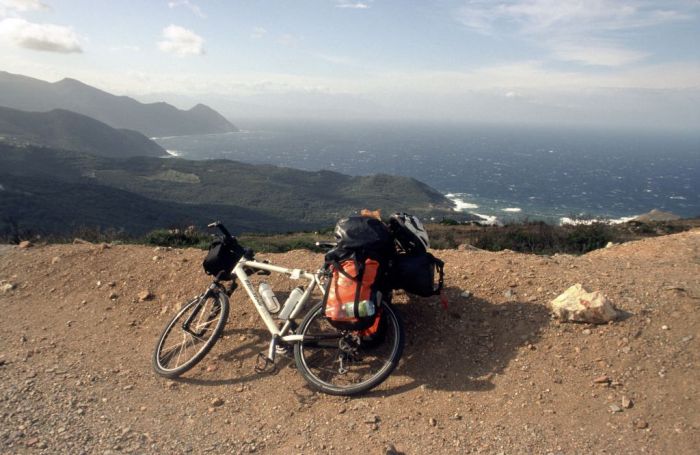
(416, 274)
(222, 257)
(369, 235)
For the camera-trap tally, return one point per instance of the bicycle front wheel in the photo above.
(190, 335)
(347, 363)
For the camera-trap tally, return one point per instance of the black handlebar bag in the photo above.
(222, 257)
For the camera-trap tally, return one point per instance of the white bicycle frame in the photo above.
(278, 333)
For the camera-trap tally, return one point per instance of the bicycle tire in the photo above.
(160, 355)
(395, 336)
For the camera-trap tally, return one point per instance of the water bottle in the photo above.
(269, 298)
(365, 308)
(290, 303)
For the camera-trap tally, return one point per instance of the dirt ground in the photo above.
(492, 374)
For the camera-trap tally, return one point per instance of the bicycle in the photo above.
(333, 361)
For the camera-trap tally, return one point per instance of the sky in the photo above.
(608, 63)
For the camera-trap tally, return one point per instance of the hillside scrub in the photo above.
(533, 237)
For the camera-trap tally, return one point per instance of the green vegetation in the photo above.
(541, 238)
(49, 191)
(526, 237)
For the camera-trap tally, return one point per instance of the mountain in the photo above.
(57, 191)
(68, 130)
(152, 119)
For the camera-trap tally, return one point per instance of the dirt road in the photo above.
(493, 374)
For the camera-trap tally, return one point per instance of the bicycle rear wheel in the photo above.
(190, 335)
(347, 363)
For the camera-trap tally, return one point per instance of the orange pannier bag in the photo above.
(350, 300)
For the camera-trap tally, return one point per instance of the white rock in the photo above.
(580, 305)
(6, 287)
(466, 294)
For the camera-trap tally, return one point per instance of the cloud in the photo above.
(7, 6)
(181, 41)
(40, 37)
(196, 10)
(258, 32)
(351, 5)
(597, 54)
(589, 32)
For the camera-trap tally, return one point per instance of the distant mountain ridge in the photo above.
(63, 129)
(152, 119)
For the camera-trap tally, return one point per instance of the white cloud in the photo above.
(598, 54)
(196, 10)
(351, 5)
(39, 37)
(7, 6)
(258, 32)
(590, 32)
(181, 41)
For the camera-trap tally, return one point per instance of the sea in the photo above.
(499, 173)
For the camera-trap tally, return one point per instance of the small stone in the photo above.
(155, 258)
(389, 449)
(601, 380)
(627, 402)
(466, 294)
(615, 408)
(128, 387)
(664, 327)
(145, 295)
(7, 287)
(586, 331)
(432, 422)
(509, 294)
(55, 259)
(211, 368)
(372, 419)
(111, 284)
(216, 402)
(113, 295)
(640, 424)
(24, 244)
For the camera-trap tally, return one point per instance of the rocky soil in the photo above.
(492, 374)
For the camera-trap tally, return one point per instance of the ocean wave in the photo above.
(460, 204)
(512, 209)
(575, 222)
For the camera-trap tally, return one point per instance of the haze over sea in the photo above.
(502, 171)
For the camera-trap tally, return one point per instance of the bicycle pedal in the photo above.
(264, 364)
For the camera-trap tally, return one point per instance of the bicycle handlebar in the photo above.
(221, 227)
(327, 245)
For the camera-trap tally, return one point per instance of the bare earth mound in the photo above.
(492, 374)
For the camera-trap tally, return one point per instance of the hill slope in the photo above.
(68, 130)
(152, 119)
(247, 197)
(492, 374)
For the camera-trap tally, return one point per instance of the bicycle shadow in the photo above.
(464, 347)
(247, 343)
